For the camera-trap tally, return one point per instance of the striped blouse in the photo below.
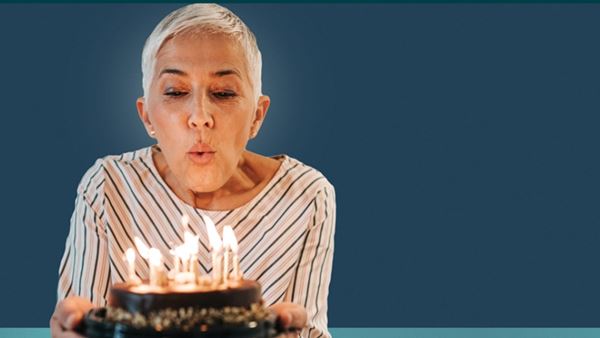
(285, 233)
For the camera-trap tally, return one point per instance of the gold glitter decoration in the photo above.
(189, 318)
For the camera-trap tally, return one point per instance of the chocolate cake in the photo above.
(144, 300)
(181, 303)
(193, 310)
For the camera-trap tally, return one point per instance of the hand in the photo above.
(290, 316)
(68, 314)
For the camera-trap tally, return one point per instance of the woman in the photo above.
(202, 103)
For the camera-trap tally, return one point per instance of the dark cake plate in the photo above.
(95, 325)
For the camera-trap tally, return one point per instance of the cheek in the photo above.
(240, 137)
(162, 111)
(169, 126)
(235, 129)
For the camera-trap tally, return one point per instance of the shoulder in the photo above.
(316, 189)
(304, 179)
(106, 170)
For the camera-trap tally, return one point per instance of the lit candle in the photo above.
(216, 246)
(216, 264)
(155, 266)
(130, 255)
(173, 272)
(185, 220)
(184, 249)
(187, 254)
(176, 267)
(141, 247)
(231, 243)
(191, 246)
(183, 255)
(177, 272)
(225, 265)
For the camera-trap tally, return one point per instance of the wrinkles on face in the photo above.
(201, 97)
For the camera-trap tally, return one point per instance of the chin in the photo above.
(207, 183)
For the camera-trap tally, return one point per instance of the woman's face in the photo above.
(202, 108)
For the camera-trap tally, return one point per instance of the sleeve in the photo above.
(84, 269)
(309, 286)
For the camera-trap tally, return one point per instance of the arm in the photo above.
(310, 283)
(84, 269)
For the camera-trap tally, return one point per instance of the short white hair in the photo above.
(206, 18)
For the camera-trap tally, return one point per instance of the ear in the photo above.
(259, 115)
(143, 114)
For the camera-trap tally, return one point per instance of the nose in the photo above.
(200, 113)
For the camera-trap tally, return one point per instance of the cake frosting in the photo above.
(144, 299)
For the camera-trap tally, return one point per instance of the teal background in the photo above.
(396, 333)
(461, 138)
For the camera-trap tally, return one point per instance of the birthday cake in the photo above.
(182, 303)
(144, 300)
(188, 311)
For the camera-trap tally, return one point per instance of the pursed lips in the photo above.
(201, 148)
(201, 153)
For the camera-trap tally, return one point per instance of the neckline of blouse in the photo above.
(284, 164)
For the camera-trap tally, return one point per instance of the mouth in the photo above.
(201, 153)
(201, 157)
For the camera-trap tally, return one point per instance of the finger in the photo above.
(298, 317)
(55, 329)
(70, 334)
(70, 311)
(73, 320)
(64, 309)
(285, 318)
(68, 316)
(290, 315)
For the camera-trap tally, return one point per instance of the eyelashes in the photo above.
(222, 95)
(174, 93)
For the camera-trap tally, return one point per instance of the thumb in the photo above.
(297, 317)
(73, 320)
(285, 319)
(290, 315)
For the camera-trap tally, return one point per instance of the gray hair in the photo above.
(209, 18)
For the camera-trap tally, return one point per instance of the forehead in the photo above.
(200, 54)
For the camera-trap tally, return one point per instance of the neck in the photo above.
(244, 179)
(252, 173)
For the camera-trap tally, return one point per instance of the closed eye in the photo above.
(175, 93)
(224, 94)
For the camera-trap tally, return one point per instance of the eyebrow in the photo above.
(172, 71)
(225, 72)
(218, 73)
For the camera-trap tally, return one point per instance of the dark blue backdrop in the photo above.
(462, 141)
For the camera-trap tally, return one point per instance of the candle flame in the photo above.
(213, 235)
(191, 243)
(130, 254)
(229, 240)
(185, 220)
(155, 256)
(180, 252)
(141, 247)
